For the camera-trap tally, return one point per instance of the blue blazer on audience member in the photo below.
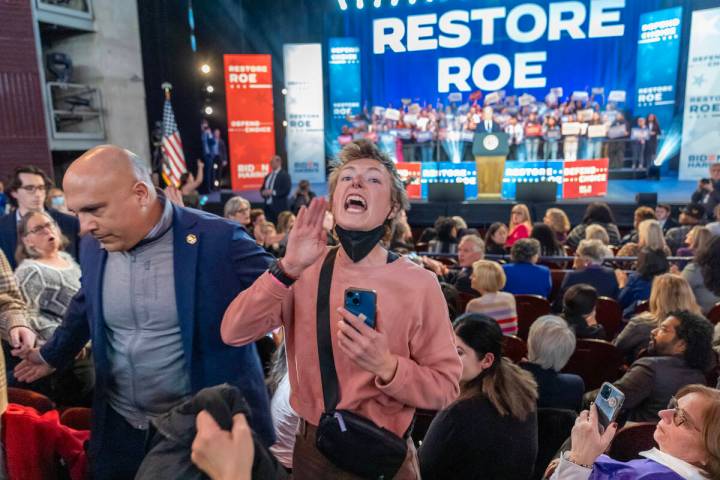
(214, 261)
(602, 278)
(555, 389)
(528, 279)
(635, 291)
(69, 226)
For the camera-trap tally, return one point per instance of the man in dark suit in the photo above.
(679, 352)
(157, 279)
(470, 249)
(275, 189)
(663, 214)
(487, 125)
(27, 191)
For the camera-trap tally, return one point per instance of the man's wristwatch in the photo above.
(277, 272)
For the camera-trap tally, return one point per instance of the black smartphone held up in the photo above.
(609, 401)
(360, 301)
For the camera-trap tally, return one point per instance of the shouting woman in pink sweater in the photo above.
(407, 361)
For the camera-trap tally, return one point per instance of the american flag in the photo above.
(173, 157)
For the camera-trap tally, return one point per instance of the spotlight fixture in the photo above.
(205, 68)
(209, 89)
(284, 91)
(208, 110)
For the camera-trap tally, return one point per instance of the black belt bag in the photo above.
(350, 441)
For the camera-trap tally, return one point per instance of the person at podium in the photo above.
(487, 125)
(490, 148)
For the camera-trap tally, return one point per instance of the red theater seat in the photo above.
(514, 348)
(557, 278)
(78, 418)
(609, 314)
(28, 398)
(714, 314)
(632, 439)
(529, 308)
(596, 361)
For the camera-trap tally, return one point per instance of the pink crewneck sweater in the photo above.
(411, 310)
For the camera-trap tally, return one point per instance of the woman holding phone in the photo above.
(687, 438)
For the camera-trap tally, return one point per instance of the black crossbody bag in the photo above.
(350, 441)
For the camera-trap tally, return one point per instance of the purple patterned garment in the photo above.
(605, 468)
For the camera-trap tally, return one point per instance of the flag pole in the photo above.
(166, 86)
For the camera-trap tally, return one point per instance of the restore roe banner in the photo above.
(701, 122)
(251, 135)
(305, 111)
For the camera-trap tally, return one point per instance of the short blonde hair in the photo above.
(650, 235)
(488, 276)
(597, 232)
(365, 149)
(559, 221)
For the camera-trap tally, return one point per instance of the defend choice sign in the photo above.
(522, 24)
(248, 90)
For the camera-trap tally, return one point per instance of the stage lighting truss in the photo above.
(360, 4)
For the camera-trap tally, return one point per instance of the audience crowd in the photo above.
(235, 346)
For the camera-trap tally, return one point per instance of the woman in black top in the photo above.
(495, 239)
(490, 432)
(597, 213)
(549, 246)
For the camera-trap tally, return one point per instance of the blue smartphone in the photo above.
(360, 301)
(609, 401)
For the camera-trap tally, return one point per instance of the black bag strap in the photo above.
(328, 374)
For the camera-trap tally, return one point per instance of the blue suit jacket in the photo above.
(214, 261)
(69, 226)
(528, 279)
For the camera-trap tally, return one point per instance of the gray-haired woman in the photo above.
(551, 342)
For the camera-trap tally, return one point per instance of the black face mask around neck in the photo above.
(357, 244)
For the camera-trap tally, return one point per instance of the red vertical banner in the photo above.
(251, 133)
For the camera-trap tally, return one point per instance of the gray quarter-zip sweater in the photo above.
(144, 346)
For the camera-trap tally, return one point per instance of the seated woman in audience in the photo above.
(579, 304)
(495, 239)
(687, 438)
(401, 238)
(490, 432)
(703, 275)
(238, 209)
(549, 246)
(271, 238)
(636, 287)
(488, 278)
(641, 214)
(597, 213)
(48, 279)
(588, 268)
(650, 235)
(285, 420)
(696, 239)
(597, 232)
(523, 275)
(257, 219)
(446, 240)
(520, 224)
(551, 343)
(559, 222)
(669, 293)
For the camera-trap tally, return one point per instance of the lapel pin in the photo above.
(191, 239)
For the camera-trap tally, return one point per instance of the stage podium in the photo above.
(490, 150)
